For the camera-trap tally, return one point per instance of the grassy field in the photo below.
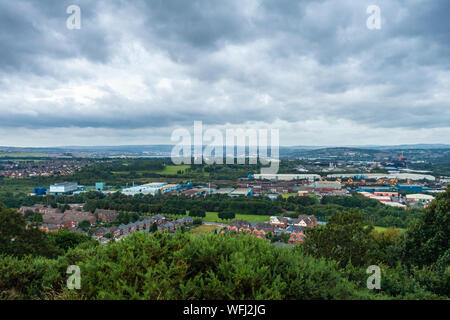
(212, 217)
(168, 170)
(384, 228)
(30, 159)
(204, 228)
(172, 170)
(287, 195)
(22, 154)
(15, 188)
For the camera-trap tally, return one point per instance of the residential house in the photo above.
(305, 221)
(296, 237)
(295, 229)
(50, 227)
(34, 208)
(167, 226)
(106, 215)
(279, 221)
(160, 219)
(186, 221)
(78, 216)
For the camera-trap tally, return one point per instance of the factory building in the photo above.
(325, 185)
(411, 188)
(40, 191)
(149, 188)
(170, 187)
(224, 191)
(381, 198)
(395, 204)
(375, 189)
(65, 187)
(99, 186)
(376, 176)
(421, 198)
(287, 177)
(246, 192)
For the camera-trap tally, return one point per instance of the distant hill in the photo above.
(164, 150)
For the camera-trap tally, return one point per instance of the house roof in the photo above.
(295, 229)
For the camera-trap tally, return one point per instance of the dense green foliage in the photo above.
(179, 266)
(427, 239)
(20, 239)
(345, 239)
(226, 214)
(197, 212)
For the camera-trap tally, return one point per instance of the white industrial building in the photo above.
(376, 176)
(395, 204)
(170, 187)
(64, 187)
(419, 197)
(287, 177)
(149, 188)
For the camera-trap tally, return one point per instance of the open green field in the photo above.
(15, 188)
(287, 195)
(172, 170)
(204, 228)
(384, 228)
(27, 160)
(212, 217)
(22, 154)
(168, 170)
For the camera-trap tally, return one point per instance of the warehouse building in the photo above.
(62, 188)
(411, 188)
(170, 187)
(376, 176)
(224, 191)
(149, 188)
(99, 186)
(421, 198)
(242, 192)
(287, 177)
(395, 204)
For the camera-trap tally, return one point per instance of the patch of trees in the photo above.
(226, 214)
(19, 238)
(197, 212)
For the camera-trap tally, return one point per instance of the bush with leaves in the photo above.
(345, 238)
(19, 239)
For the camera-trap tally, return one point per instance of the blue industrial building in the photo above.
(411, 188)
(40, 191)
(375, 189)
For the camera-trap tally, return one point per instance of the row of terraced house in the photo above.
(161, 221)
(54, 219)
(277, 226)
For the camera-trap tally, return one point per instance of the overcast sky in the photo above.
(136, 70)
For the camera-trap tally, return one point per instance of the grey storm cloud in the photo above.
(166, 63)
